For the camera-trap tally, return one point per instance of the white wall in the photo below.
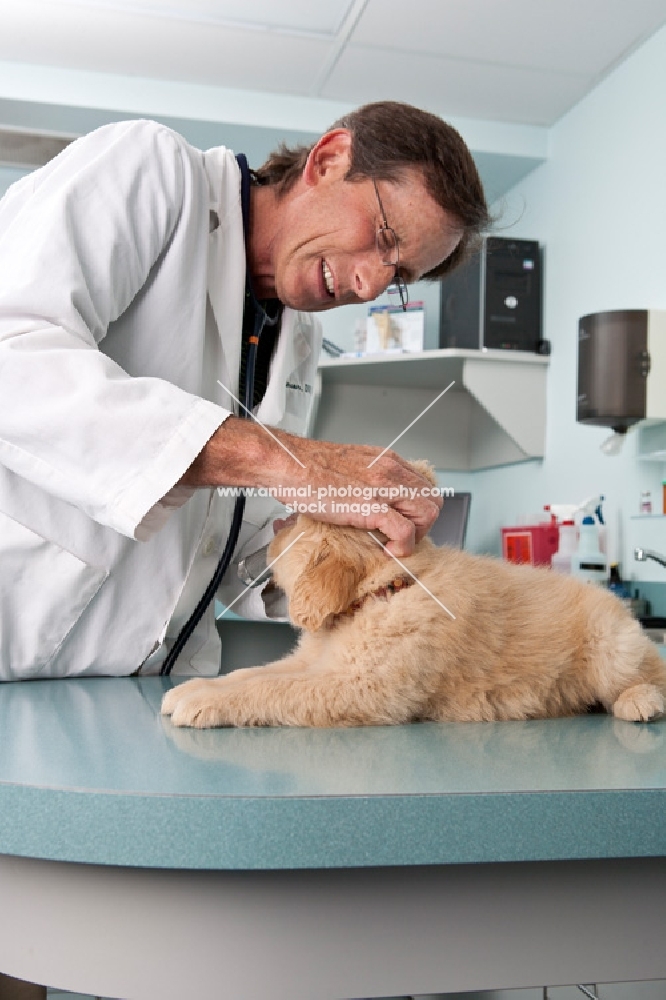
(599, 207)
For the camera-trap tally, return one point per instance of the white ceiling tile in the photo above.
(523, 61)
(570, 36)
(298, 15)
(138, 45)
(454, 88)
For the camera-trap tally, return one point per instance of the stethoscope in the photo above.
(260, 320)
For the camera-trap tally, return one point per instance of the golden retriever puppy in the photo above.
(449, 637)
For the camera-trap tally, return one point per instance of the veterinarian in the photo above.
(122, 290)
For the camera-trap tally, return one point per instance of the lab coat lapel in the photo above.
(288, 396)
(292, 350)
(226, 266)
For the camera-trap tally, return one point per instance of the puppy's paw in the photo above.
(197, 703)
(640, 703)
(172, 697)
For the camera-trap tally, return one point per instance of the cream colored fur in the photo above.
(525, 644)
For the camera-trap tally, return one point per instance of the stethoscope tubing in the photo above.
(260, 320)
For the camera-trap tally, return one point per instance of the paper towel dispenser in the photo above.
(621, 368)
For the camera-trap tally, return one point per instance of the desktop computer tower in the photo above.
(494, 300)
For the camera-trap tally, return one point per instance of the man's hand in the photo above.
(394, 498)
(406, 511)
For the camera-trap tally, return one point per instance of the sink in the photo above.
(655, 628)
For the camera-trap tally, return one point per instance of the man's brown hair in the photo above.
(387, 138)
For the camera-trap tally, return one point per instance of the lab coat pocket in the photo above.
(45, 589)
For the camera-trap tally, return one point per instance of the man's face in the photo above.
(324, 253)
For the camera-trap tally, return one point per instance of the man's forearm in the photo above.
(242, 453)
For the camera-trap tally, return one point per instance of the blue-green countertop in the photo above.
(90, 772)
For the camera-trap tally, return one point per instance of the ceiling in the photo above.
(514, 61)
(252, 73)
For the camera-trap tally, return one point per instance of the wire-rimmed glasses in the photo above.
(388, 249)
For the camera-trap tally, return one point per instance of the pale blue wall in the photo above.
(7, 177)
(599, 207)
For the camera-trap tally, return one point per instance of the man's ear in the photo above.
(329, 158)
(326, 586)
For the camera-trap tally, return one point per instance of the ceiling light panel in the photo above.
(28, 150)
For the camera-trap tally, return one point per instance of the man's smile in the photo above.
(329, 283)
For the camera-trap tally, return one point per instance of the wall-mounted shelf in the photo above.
(652, 441)
(494, 414)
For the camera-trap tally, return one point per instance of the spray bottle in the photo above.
(565, 514)
(589, 562)
(561, 561)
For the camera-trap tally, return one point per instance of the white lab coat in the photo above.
(122, 270)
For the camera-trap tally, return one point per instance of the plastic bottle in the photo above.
(589, 562)
(617, 586)
(565, 513)
(561, 561)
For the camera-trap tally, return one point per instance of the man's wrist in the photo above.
(243, 453)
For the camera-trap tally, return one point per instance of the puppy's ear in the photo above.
(326, 586)
(426, 470)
